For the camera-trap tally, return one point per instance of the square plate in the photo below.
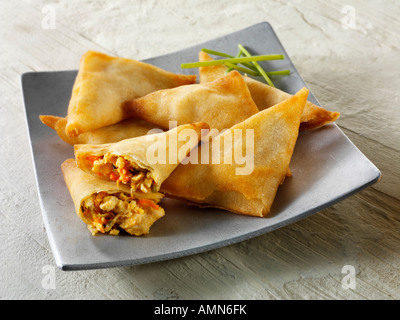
(326, 168)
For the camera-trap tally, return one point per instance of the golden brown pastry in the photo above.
(220, 103)
(103, 83)
(108, 208)
(245, 186)
(129, 128)
(266, 96)
(143, 162)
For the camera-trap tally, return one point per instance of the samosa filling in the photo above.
(109, 213)
(119, 169)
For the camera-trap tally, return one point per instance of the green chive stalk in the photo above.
(257, 65)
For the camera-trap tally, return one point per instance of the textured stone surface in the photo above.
(354, 71)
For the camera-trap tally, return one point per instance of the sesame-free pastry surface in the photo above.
(104, 82)
(220, 103)
(228, 184)
(125, 129)
(143, 162)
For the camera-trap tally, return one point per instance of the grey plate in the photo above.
(326, 167)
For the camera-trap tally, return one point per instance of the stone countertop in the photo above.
(348, 52)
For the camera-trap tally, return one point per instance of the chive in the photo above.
(251, 66)
(237, 56)
(222, 54)
(261, 70)
(217, 53)
(278, 73)
(252, 71)
(232, 60)
(245, 70)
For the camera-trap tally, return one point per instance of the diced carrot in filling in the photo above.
(92, 158)
(114, 176)
(109, 213)
(119, 169)
(149, 203)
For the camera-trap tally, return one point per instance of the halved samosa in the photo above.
(245, 184)
(143, 162)
(103, 83)
(266, 96)
(220, 103)
(108, 208)
(129, 128)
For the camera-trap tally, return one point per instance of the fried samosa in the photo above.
(143, 162)
(266, 96)
(129, 128)
(220, 103)
(103, 83)
(242, 186)
(108, 208)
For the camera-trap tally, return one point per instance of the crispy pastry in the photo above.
(129, 128)
(266, 96)
(103, 83)
(142, 162)
(250, 191)
(108, 208)
(220, 103)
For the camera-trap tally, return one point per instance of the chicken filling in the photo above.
(109, 213)
(119, 169)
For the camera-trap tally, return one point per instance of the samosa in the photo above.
(129, 128)
(143, 162)
(220, 103)
(103, 83)
(242, 184)
(106, 207)
(266, 96)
